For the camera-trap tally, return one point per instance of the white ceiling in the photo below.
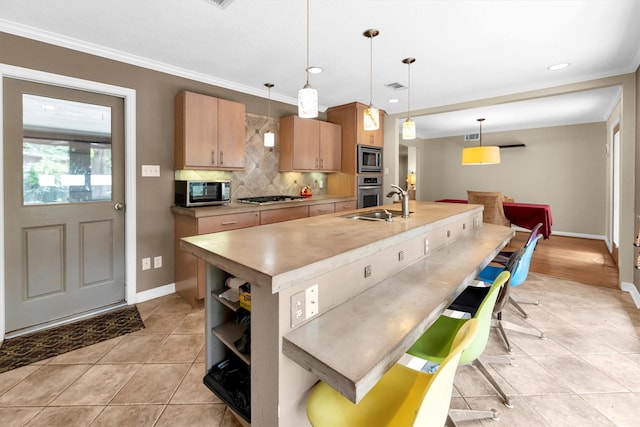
(464, 50)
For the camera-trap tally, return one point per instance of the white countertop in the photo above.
(352, 345)
(284, 254)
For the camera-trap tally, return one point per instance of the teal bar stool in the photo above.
(403, 396)
(434, 345)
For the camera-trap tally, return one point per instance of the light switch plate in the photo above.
(150, 170)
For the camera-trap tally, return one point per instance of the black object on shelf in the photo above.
(243, 317)
(230, 380)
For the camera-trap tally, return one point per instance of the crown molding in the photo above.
(116, 55)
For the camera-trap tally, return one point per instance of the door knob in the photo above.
(118, 206)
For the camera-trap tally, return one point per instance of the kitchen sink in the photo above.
(375, 215)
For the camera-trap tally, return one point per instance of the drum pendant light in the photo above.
(307, 96)
(481, 155)
(371, 114)
(269, 137)
(409, 126)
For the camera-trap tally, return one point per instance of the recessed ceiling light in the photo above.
(556, 67)
(394, 100)
(315, 69)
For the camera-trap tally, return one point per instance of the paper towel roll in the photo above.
(234, 282)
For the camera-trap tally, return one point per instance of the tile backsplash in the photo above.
(261, 176)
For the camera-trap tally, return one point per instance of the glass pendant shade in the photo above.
(371, 118)
(371, 114)
(307, 102)
(269, 139)
(307, 96)
(409, 129)
(409, 126)
(483, 155)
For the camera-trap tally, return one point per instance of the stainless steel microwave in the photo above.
(369, 159)
(202, 193)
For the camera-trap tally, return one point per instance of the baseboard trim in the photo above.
(567, 234)
(154, 293)
(579, 235)
(635, 294)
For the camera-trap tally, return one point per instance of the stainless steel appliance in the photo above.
(369, 159)
(369, 190)
(202, 193)
(267, 200)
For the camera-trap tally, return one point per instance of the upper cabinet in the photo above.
(351, 117)
(209, 132)
(309, 145)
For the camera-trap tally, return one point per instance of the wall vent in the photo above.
(396, 86)
(471, 137)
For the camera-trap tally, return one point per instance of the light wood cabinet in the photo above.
(322, 209)
(190, 272)
(209, 132)
(351, 118)
(346, 206)
(309, 145)
(283, 214)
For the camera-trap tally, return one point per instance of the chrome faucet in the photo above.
(404, 198)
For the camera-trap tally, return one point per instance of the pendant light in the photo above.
(481, 155)
(269, 137)
(409, 126)
(371, 114)
(307, 96)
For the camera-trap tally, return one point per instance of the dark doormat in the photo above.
(27, 349)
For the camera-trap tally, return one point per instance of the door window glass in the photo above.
(66, 151)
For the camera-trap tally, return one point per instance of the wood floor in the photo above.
(583, 260)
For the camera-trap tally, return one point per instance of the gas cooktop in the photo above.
(265, 200)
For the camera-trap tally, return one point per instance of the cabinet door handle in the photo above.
(317, 164)
(221, 157)
(228, 222)
(213, 157)
(321, 163)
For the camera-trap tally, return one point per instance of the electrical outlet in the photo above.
(401, 256)
(157, 262)
(311, 302)
(150, 170)
(298, 307)
(367, 271)
(146, 263)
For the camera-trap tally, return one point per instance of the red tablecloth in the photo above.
(525, 215)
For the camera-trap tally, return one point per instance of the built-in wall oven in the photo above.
(369, 191)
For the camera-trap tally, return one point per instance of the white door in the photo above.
(64, 202)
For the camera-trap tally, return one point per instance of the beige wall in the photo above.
(629, 117)
(563, 166)
(155, 93)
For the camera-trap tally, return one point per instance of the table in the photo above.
(525, 215)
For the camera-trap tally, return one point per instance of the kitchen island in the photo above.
(338, 299)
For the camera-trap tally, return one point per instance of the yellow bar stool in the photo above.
(402, 397)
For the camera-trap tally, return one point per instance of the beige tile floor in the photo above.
(587, 373)
(152, 377)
